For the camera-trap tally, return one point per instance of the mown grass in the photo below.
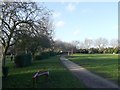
(105, 65)
(59, 76)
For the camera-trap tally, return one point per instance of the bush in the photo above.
(52, 53)
(93, 50)
(85, 51)
(38, 57)
(45, 55)
(116, 50)
(100, 51)
(23, 60)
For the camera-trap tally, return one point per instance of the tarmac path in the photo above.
(89, 79)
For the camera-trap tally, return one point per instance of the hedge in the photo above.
(45, 55)
(23, 60)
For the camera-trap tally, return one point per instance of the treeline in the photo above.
(100, 45)
(108, 50)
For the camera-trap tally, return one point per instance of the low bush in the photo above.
(38, 57)
(23, 60)
(52, 53)
(116, 50)
(93, 50)
(45, 55)
(85, 51)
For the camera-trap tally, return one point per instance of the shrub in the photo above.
(52, 53)
(38, 57)
(116, 50)
(100, 51)
(93, 50)
(42, 56)
(23, 60)
(45, 55)
(85, 51)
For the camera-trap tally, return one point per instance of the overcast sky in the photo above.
(78, 21)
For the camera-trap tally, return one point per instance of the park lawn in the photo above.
(59, 76)
(105, 65)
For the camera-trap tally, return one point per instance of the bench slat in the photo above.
(40, 73)
(43, 73)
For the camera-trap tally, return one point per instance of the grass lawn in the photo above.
(105, 65)
(59, 76)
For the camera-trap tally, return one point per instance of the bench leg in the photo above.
(34, 82)
(47, 75)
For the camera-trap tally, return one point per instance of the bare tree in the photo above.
(114, 43)
(74, 46)
(88, 43)
(101, 43)
(63, 46)
(15, 19)
(81, 45)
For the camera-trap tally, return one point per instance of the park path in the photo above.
(89, 79)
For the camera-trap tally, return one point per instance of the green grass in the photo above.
(105, 65)
(59, 76)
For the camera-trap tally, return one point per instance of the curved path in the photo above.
(89, 79)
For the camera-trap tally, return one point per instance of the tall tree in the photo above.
(88, 43)
(17, 18)
(74, 46)
(114, 43)
(81, 45)
(101, 43)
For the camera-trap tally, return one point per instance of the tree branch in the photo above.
(29, 14)
(5, 33)
(28, 22)
(6, 24)
(14, 42)
(3, 41)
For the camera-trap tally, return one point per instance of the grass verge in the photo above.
(105, 65)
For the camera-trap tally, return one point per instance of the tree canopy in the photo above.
(24, 19)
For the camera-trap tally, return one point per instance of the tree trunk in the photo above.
(3, 59)
(71, 51)
(33, 56)
(4, 56)
(68, 53)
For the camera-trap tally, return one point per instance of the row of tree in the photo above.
(99, 45)
(100, 51)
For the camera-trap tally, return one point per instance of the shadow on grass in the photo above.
(56, 79)
(59, 76)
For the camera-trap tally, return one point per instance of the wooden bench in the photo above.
(38, 74)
